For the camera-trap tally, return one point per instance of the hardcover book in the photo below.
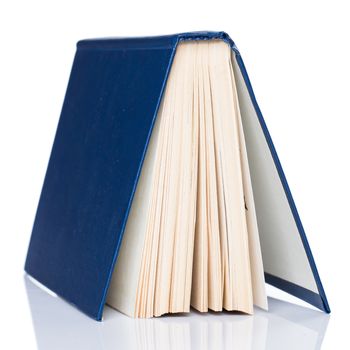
(164, 190)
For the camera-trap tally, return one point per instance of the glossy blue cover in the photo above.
(113, 95)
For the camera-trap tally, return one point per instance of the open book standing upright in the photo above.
(163, 189)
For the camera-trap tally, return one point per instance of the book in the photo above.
(163, 189)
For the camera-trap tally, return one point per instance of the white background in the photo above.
(297, 55)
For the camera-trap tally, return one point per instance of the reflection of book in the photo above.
(161, 141)
(285, 326)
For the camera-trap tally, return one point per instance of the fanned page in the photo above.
(191, 237)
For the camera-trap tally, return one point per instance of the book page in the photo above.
(192, 236)
(122, 290)
(283, 250)
(238, 285)
(256, 262)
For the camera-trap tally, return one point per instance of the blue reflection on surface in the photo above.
(59, 325)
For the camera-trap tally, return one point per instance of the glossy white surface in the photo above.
(58, 325)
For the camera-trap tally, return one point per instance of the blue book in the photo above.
(163, 189)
